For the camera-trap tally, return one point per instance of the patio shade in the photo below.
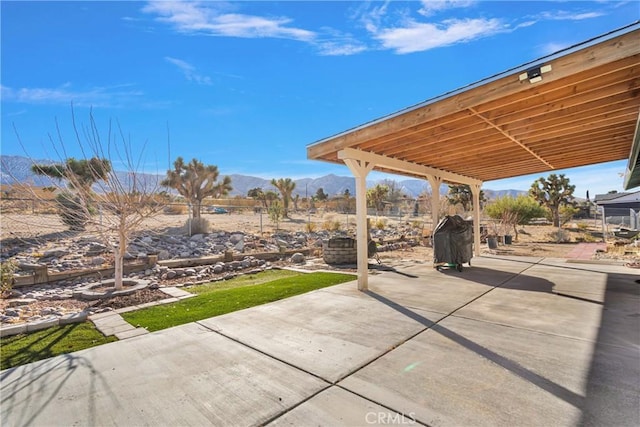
(575, 108)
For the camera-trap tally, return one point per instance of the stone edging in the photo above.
(25, 328)
(174, 294)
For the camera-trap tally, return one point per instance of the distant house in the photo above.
(620, 208)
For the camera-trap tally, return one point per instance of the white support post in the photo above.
(435, 182)
(360, 170)
(475, 190)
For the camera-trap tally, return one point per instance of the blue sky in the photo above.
(247, 86)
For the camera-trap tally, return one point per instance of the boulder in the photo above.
(297, 258)
(236, 238)
(98, 260)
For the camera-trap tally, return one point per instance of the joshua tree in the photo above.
(553, 192)
(79, 174)
(376, 196)
(195, 181)
(461, 194)
(285, 186)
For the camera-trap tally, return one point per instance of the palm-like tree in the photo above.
(195, 181)
(285, 186)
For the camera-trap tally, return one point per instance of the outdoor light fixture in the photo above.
(534, 75)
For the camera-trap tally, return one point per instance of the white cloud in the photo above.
(198, 17)
(340, 48)
(96, 97)
(430, 7)
(562, 15)
(189, 71)
(416, 36)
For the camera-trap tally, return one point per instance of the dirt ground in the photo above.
(42, 231)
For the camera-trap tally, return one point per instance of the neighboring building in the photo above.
(620, 208)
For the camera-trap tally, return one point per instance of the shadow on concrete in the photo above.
(382, 267)
(502, 279)
(613, 383)
(612, 395)
(556, 389)
(46, 381)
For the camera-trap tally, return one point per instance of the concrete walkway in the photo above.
(585, 251)
(507, 342)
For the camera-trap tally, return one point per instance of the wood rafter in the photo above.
(490, 123)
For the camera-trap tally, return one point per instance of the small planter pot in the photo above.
(492, 243)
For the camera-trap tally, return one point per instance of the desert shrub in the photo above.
(6, 277)
(381, 224)
(71, 211)
(582, 226)
(311, 227)
(567, 212)
(175, 209)
(587, 238)
(331, 225)
(560, 236)
(276, 212)
(198, 225)
(416, 224)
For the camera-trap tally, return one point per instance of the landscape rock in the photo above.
(21, 301)
(236, 238)
(297, 258)
(55, 253)
(98, 260)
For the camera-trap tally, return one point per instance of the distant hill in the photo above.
(17, 169)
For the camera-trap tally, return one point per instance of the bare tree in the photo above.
(111, 204)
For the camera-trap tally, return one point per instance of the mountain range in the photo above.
(17, 169)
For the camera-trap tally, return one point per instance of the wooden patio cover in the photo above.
(575, 108)
(583, 111)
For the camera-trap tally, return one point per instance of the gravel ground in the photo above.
(45, 229)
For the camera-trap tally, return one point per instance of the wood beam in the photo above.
(402, 166)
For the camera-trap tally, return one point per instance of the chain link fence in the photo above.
(621, 218)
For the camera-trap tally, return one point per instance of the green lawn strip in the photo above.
(26, 348)
(243, 280)
(215, 303)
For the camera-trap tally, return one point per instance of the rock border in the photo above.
(85, 293)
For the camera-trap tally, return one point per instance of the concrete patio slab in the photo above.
(325, 333)
(466, 372)
(186, 375)
(571, 300)
(338, 407)
(503, 343)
